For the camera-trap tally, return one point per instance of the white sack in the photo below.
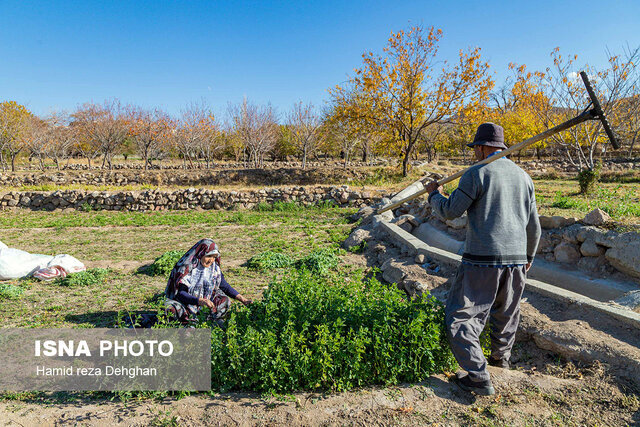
(15, 264)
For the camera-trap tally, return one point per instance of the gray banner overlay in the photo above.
(105, 359)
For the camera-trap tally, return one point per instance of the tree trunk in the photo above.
(13, 162)
(304, 158)
(405, 164)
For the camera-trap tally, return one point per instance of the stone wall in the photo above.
(161, 165)
(278, 177)
(191, 198)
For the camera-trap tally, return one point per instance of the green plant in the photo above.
(269, 260)
(90, 277)
(588, 178)
(163, 265)
(329, 333)
(319, 261)
(358, 249)
(9, 291)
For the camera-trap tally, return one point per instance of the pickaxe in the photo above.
(594, 113)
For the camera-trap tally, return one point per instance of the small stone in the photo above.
(596, 217)
(420, 259)
(625, 254)
(630, 299)
(570, 234)
(567, 253)
(356, 238)
(549, 222)
(590, 249)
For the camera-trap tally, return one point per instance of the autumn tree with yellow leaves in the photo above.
(408, 89)
(14, 123)
(522, 107)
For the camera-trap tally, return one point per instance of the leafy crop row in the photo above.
(90, 277)
(269, 260)
(329, 333)
(319, 261)
(163, 265)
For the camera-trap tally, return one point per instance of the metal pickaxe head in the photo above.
(597, 112)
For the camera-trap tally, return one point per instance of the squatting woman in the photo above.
(197, 281)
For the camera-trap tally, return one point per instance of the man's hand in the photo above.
(433, 186)
(527, 267)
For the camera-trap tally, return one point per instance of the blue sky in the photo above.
(59, 54)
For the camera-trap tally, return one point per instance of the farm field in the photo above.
(542, 389)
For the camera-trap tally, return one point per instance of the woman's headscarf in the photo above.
(190, 261)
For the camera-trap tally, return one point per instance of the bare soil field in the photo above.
(542, 388)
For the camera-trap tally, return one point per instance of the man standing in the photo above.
(503, 231)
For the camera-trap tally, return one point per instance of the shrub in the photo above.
(329, 333)
(163, 265)
(269, 260)
(319, 261)
(9, 291)
(588, 178)
(90, 277)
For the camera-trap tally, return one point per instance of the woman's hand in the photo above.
(208, 303)
(243, 300)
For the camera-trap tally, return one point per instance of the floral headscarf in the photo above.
(188, 262)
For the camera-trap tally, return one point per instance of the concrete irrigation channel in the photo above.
(578, 316)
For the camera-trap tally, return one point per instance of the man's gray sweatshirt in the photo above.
(503, 226)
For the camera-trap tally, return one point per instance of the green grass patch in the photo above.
(9, 291)
(88, 278)
(163, 265)
(300, 215)
(319, 261)
(269, 260)
(616, 202)
(562, 197)
(329, 333)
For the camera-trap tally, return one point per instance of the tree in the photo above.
(256, 128)
(625, 117)
(198, 134)
(61, 136)
(344, 134)
(13, 126)
(150, 130)
(304, 124)
(568, 98)
(521, 106)
(102, 129)
(37, 140)
(404, 92)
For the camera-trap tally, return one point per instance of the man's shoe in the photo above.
(483, 388)
(500, 363)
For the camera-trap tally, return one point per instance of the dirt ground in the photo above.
(569, 366)
(523, 397)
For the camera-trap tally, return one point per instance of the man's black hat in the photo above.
(489, 134)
